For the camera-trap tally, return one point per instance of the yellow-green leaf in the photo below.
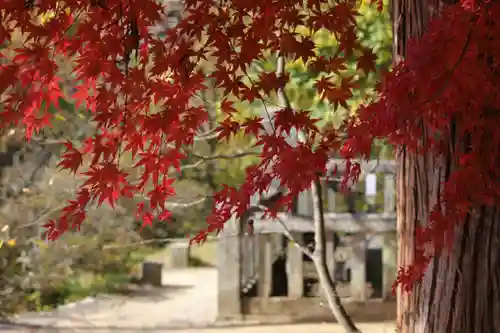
(60, 117)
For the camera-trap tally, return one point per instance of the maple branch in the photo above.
(225, 156)
(43, 215)
(190, 166)
(202, 159)
(14, 190)
(208, 135)
(173, 204)
(186, 204)
(303, 248)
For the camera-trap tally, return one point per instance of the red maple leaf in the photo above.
(105, 180)
(227, 128)
(269, 82)
(147, 220)
(227, 107)
(72, 159)
(253, 126)
(366, 62)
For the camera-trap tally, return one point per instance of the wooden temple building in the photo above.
(263, 274)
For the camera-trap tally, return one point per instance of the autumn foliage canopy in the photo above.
(442, 99)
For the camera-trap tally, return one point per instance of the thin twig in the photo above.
(239, 154)
(304, 249)
(173, 204)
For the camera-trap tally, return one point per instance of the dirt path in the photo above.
(188, 298)
(188, 301)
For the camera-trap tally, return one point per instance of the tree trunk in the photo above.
(460, 292)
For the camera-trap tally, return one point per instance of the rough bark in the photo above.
(460, 292)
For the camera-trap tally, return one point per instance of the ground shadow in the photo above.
(139, 290)
(130, 291)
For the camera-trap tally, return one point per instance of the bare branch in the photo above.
(239, 154)
(43, 215)
(202, 159)
(186, 204)
(210, 135)
(303, 248)
(173, 204)
(192, 165)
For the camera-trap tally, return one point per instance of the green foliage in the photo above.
(39, 276)
(374, 32)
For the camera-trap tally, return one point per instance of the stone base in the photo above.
(315, 309)
(152, 273)
(179, 255)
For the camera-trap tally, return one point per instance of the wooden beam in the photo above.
(374, 223)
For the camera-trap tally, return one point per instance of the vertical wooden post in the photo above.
(389, 194)
(265, 266)
(371, 191)
(295, 268)
(358, 271)
(389, 250)
(229, 271)
(246, 256)
(310, 204)
(331, 200)
(304, 204)
(389, 262)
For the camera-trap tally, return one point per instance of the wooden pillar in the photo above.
(304, 203)
(229, 271)
(389, 249)
(295, 268)
(371, 191)
(358, 271)
(331, 196)
(265, 265)
(389, 262)
(276, 244)
(179, 254)
(389, 194)
(246, 257)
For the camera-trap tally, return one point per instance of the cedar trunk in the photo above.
(460, 292)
